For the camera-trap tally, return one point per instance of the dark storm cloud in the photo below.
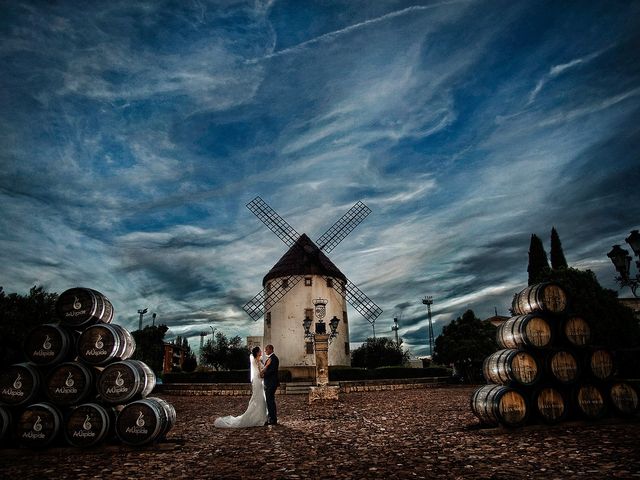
(135, 133)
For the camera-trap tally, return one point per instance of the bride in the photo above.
(256, 413)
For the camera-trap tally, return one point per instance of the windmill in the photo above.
(306, 259)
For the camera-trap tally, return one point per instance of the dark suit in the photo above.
(270, 385)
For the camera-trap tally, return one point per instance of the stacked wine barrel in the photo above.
(549, 367)
(79, 384)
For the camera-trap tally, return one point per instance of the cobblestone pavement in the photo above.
(425, 433)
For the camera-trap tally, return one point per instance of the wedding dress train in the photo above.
(256, 413)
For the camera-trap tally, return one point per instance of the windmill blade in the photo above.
(358, 300)
(264, 300)
(273, 221)
(343, 227)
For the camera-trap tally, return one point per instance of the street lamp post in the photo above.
(141, 312)
(622, 262)
(428, 301)
(395, 328)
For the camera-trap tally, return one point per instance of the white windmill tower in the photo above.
(304, 287)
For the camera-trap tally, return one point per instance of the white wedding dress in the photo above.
(256, 413)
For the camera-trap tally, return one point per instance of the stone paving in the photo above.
(403, 434)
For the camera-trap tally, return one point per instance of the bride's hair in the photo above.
(254, 351)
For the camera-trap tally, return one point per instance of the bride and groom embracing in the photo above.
(262, 404)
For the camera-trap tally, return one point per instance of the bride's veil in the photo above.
(254, 367)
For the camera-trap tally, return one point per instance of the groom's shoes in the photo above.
(270, 423)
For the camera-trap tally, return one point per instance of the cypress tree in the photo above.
(557, 255)
(538, 262)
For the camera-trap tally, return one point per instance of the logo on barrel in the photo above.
(68, 388)
(45, 351)
(17, 384)
(98, 351)
(37, 425)
(76, 307)
(36, 430)
(118, 388)
(87, 423)
(139, 428)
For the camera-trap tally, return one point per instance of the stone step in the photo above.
(297, 388)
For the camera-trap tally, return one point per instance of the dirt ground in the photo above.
(424, 433)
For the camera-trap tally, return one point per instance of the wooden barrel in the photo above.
(524, 331)
(69, 383)
(601, 364)
(19, 384)
(624, 398)
(88, 424)
(577, 331)
(590, 401)
(510, 366)
(145, 421)
(5, 424)
(48, 344)
(103, 343)
(497, 404)
(39, 425)
(80, 307)
(563, 366)
(125, 381)
(542, 297)
(549, 404)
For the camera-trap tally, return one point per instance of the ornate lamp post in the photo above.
(321, 339)
(622, 262)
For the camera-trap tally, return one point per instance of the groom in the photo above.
(270, 376)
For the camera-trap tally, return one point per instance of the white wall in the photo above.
(286, 332)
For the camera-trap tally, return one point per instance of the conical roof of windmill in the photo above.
(304, 258)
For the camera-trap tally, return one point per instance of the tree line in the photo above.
(464, 343)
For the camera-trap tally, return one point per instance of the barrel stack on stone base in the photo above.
(78, 383)
(549, 368)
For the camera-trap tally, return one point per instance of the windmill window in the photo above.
(267, 318)
(330, 282)
(285, 283)
(346, 348)
(309, 346)
(308, 313)
(344, 316)
(307, 281)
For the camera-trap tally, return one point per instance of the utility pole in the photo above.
(141, 312)
(428, 301)
(202, 335)
(153, 320)
(395, 328)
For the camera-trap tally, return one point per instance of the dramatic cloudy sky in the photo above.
(132, 134)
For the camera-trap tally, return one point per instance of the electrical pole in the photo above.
(428, 301)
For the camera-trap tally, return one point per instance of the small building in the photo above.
(173, 357)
